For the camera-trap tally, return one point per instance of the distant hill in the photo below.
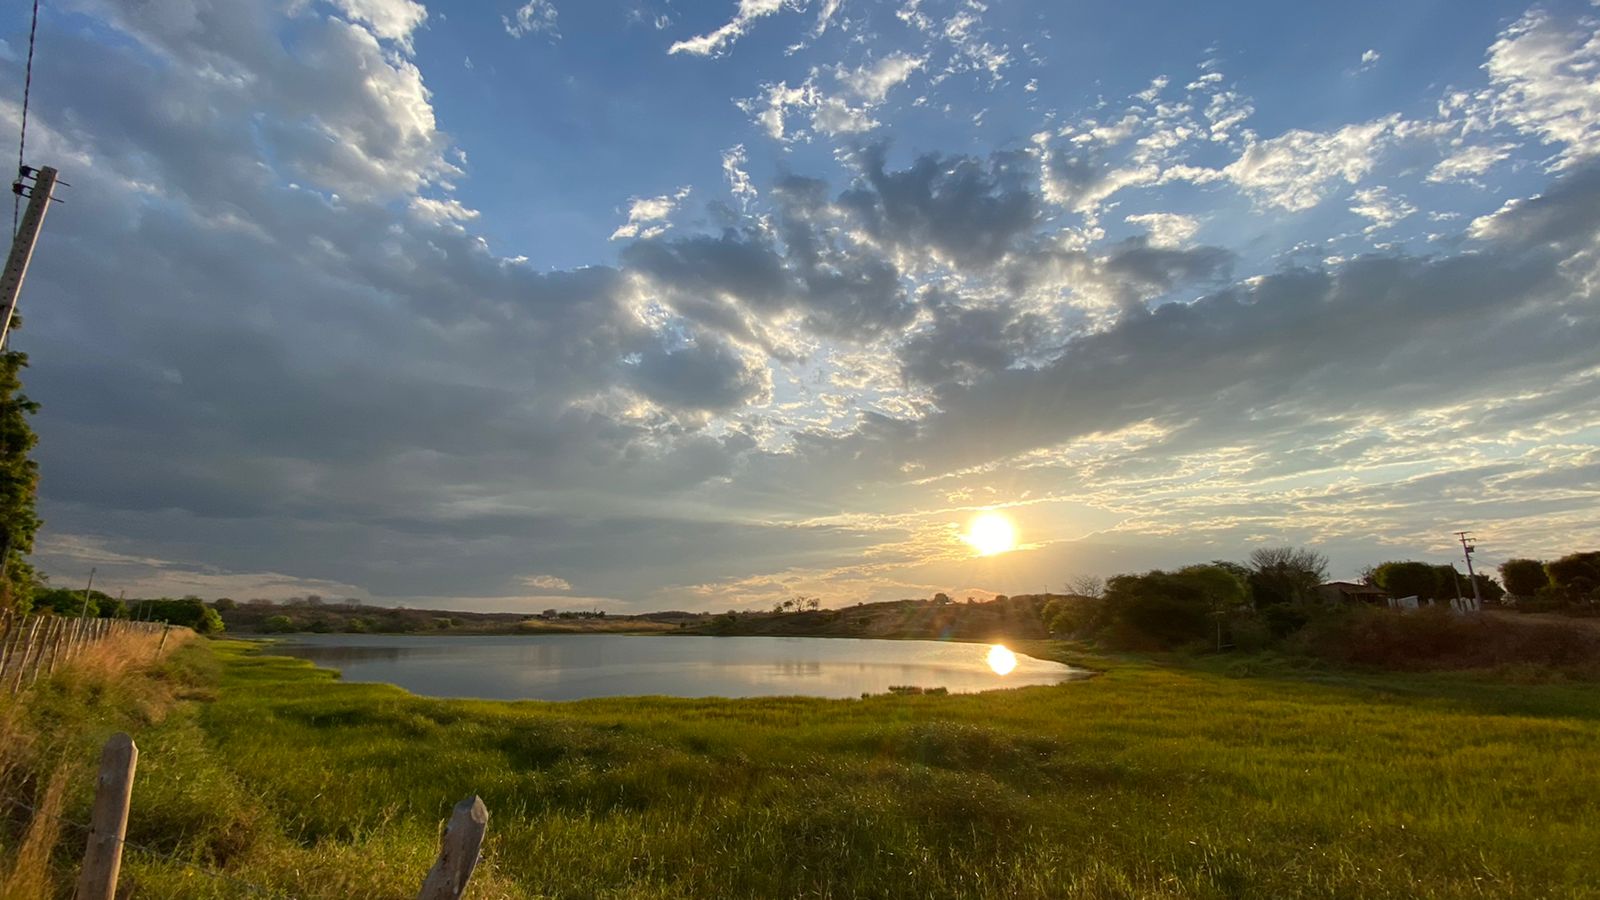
(349, 618)
(1004, 618)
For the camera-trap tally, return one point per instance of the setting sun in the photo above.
(990, 533)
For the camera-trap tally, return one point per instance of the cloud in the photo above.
(546, 583)
(1382, 208)
(872, 83)
(1294, 170)
(393, 20)
(1166, 229)
(647, 215)
(1543, 74)
(715, 43)
(1469, 162)
(739, 185)
(533, 17)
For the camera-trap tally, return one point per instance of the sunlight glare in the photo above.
(990, 533)
(1001, 660)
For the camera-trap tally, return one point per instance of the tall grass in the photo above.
(1204, 780)
(49, 744)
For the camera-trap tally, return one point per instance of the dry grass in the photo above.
(49, 741)
(30, 875)
(1436, 639)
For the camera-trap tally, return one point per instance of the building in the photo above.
(1352, 592)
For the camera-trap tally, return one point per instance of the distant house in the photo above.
(1351, 592)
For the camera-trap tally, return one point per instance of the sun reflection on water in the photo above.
(1001, 660)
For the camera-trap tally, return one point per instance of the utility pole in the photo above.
(44, 181)
(86, 591)
(1467, 547)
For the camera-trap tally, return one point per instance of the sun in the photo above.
(990, 533)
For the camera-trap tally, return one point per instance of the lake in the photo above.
(574, 667)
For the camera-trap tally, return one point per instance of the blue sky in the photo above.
(644, 304)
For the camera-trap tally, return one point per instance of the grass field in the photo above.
(1197, 780)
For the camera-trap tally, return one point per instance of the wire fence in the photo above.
(34, 646)
(147, 850)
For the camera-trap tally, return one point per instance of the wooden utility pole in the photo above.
(1467, 548)
(22, 243)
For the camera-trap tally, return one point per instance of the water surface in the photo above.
(573, 667)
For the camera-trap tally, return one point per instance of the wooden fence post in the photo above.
(448, 878)
(108, 823)
(163, 644)
(27, 648)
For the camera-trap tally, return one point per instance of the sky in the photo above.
(635, 304)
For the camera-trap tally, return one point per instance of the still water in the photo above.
(573, 667)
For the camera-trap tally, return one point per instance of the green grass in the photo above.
(1170, 780)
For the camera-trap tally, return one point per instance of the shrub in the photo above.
(1436, 638)
(277, 625)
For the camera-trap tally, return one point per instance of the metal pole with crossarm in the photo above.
(22, 243)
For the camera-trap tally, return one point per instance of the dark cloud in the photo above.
(964, 210)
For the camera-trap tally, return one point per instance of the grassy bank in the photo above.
(1221, 780)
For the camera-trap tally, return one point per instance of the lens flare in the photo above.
(1001, 660)
(989, 533)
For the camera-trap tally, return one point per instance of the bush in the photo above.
(277, 625)
(1251, 632)
(189, 611)
(1436, 638)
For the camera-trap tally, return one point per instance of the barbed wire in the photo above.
(253, 888)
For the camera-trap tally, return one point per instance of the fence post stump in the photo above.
(108, 823)
(448, 878)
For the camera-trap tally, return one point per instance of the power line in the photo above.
(22, 137)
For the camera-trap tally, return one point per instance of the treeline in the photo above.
(1280, 593)
(1571, 582)
(190, 611)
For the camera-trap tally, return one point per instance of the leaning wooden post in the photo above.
(108, 823)
(159, 647)
(448, 878)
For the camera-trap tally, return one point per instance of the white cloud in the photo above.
(546, 583)
(1166, 229)
(825, 114)
(392, 20)
(1547, 81)
(1157, 85)
(1378, 205)
(716, 42)
(1468, 162)
(647, 215)
(533, 17)
(733, 160)
(872, 83)
(1293, 171)
(440, 211)
(1368, 60)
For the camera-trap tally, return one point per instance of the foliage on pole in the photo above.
(19, 482)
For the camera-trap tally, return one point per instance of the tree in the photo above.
(1170, 608)
(941, 598)
(19, 483)
(1086, 585)
(1407, 579)
(1576, 576)
(224, 604)
(1523, 577)
(1285, 575)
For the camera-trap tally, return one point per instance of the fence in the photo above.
(108, 827)
(31, 646)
